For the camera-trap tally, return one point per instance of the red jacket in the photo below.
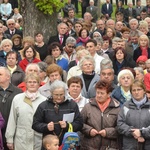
(23, 63)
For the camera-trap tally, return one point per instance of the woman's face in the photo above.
(139, 76)
(105, 44)
(16, 41)
(58, 95)
(101, 95)
(84, 34)
(7, 47)
(143, 42)
(56, 52)
(125, 80)
(87, 67)
(109, 33)
(137, 92)
(11, 60)
(141, 64)
(54, 76)
(143, 29)
(29, 53)
(125, 35)
(119, 55)
(32, 85)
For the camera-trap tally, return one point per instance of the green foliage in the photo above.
(49, 6)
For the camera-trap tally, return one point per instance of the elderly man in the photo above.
(7, 93)
(69, 50)
(100, 24)
(107, 72)
(31, 68)
(61, 35)
(11, 28)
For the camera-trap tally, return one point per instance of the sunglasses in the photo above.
(71, 46)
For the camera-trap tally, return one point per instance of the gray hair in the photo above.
(58, 84)
(133, 20)
(61, 24)
(116, 39)
(140, 69)
(82, 51)
(6, 41)
(106, 64)
(71, 40)
(6, 70)
(98, 40)
(123, 72)
(12, 20)
(143, 24)
(30, 65)
(134, 33)
(43, 66)
(147, 61)
(86, 58)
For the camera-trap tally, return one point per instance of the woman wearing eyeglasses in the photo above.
(19, 132)
(134, 121)
(49, 116)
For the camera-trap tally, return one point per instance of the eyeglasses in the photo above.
(32, 82)
(11, 24)
(58, 95)
(71, 46)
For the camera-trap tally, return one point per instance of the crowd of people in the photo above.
(96, 70)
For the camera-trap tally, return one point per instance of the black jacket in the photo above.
(46, 113)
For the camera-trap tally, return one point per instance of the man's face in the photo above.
(100, 25)
(11, 25)
(3, 76)
(143, 15)
(134, 39)
(119, 17)
(62, 29)
(107, 75)
(119, 26)
(77, 27)
(69, 48)
(87, 17)
(71, 14)
(133, 25)
(111, 24)
(7, 47)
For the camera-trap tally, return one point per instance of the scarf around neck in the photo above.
(31, 96)
(144, 51)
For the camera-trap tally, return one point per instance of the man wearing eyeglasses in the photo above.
(7, 93)
(11, 28)
(69, 50)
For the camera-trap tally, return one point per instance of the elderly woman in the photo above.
(100, 120)
(125, 80)
(54, 72)
(55, 49)
(121, 60)
(143, 48)
(134, 121)
(19, 132)
(139, 73)
(76, 70)
(75, 86)
(50, 115)
(6, 46)
(143, 27)
(88, 76)
(29, 54)
(17, 74)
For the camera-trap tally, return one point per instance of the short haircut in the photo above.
(48, 139)
(123, 72)
(118, 49)
(12, 20)
(106, 64)
(38, 32)
(82, 30)
(53, 68)
(32, 76)
(93, 41)
(138, 84)
(75, 79)
(133, 20)
(134, 33)
(125, 29)
(43, 66)
(26, 48)
(104, 85)
(143, 36)
(53, 46)
(6, 41)
(16, 36)
(6, 70)
(147, 61)
(71, 40)
(28, 39)
(30, 65)
(140, 69)
(10, 53)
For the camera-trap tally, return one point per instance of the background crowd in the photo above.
(96, 68)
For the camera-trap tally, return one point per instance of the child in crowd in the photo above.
(16, 15)
(51, 142)
(147, 76)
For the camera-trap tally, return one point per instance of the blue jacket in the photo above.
(116, 93)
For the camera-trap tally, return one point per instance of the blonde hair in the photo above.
(145, 37)
(143, 24)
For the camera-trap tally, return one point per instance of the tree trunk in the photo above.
(34, 20)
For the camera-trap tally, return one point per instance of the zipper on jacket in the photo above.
(101, 128)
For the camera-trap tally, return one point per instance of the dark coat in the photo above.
(46, 113)
(93, 12)
(5, 103)
(94, 118)
(127, 14)
(56, 39)
(138, 52)
(105, 11)
(19, 32)
(2, 123)
(138, 118)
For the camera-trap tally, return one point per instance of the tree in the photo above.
(35, 20)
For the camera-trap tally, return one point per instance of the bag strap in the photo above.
(70, 129)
